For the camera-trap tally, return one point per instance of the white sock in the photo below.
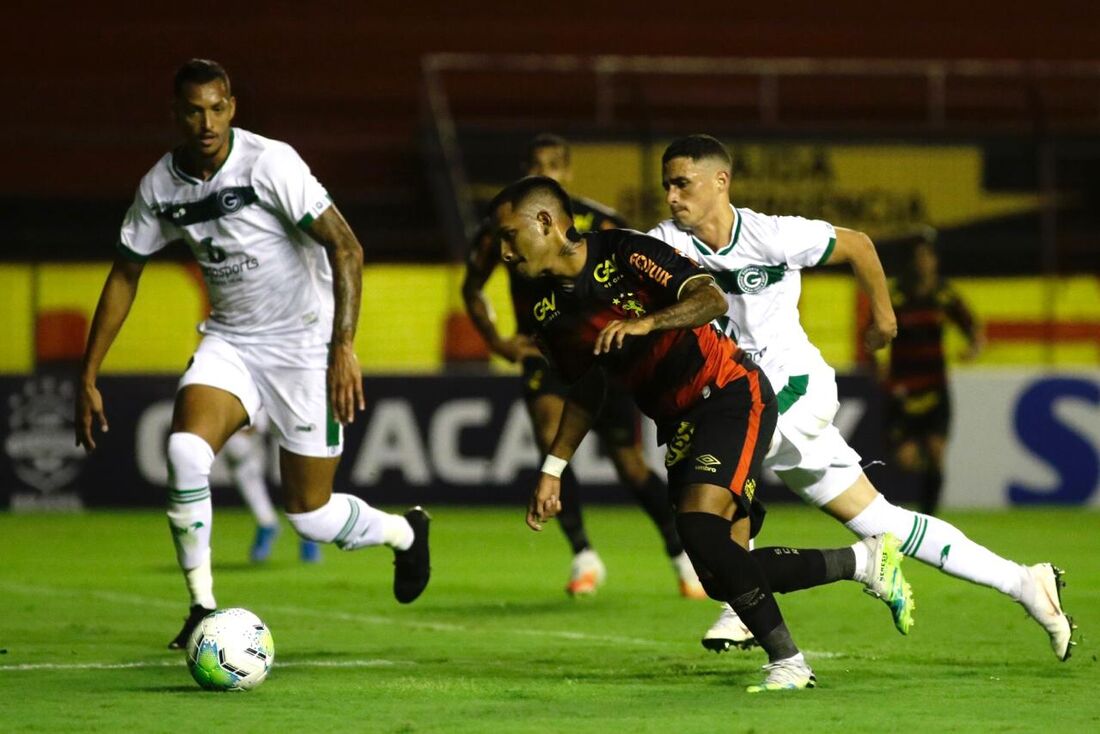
(200, 582)
(940, 544)
(190, 512)
(245, 452)
(863, 562)
(351, 523)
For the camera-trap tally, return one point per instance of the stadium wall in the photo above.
(1032, 321)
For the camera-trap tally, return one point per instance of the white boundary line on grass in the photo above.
(150, 601)
(335, 614)
(379, 663)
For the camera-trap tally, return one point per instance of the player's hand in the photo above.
(612, 335)
(345, 383)
(89, 409)
(545, 501)
(973, 350)
(880, 335)
(518, 348)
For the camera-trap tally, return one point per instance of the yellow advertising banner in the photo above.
(885, 190)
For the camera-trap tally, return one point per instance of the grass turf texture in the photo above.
(495, 645)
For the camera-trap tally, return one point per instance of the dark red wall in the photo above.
(86, 84)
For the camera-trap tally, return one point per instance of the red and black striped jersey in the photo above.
(916, 355)
(588, 216)
(628, 275)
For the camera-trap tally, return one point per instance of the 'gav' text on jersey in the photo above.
(628, 275)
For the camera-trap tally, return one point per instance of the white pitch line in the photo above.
(137, 599)
(379, 663)
(375, 619)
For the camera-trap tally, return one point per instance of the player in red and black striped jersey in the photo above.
(623, 307)
(544, 391)
(920, 405)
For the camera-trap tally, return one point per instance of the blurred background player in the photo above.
(756, 259)
(284, 273)
(544, 391)
(246, 455)
(920, 405)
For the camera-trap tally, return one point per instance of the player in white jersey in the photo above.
(756, 260)
(284, 275)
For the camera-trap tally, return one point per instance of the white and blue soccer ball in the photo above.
(230, 650)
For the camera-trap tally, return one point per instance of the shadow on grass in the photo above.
(172, 689)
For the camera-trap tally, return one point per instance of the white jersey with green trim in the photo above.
(759, 271)
(268, 281)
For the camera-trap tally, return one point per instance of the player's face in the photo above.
(551, 162)
(925, 261)
(694, 190)
(204, 113)
(524, 240)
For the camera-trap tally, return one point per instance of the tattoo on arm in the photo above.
(345, 254)
(700, 302)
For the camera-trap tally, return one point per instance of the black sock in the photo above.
(569, 519)
(652, 495)
(792, 569)
(732, 571)
(931, 488)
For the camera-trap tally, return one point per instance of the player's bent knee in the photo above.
(908, 456)
(189, 460)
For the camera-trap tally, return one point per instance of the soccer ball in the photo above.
(230, 650)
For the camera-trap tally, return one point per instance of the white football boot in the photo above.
(586, 574)
(1042, 598)
(728, 631)
(690, 588)
(789, 674)
(884, 579)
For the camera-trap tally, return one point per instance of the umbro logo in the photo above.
(707, 462)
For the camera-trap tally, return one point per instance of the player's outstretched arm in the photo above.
(700, 302)
(484, 257)
(961, 315)
(345, 254)
(581, 406)
(857, 249)
(114, 304)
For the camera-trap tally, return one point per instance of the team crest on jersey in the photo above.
(629, 305)
(752, 279)
(215, 206)
(229, 200)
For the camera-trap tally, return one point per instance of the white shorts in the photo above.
(807, 451)
(291, 388)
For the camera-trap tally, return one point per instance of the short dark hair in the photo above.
(519, 191)
(697, 147)
(200, 71)
(547, 140)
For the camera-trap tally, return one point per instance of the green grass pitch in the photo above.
(88, 603)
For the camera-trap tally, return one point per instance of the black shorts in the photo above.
(723, 440)
(618, 424)
(920, 415)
